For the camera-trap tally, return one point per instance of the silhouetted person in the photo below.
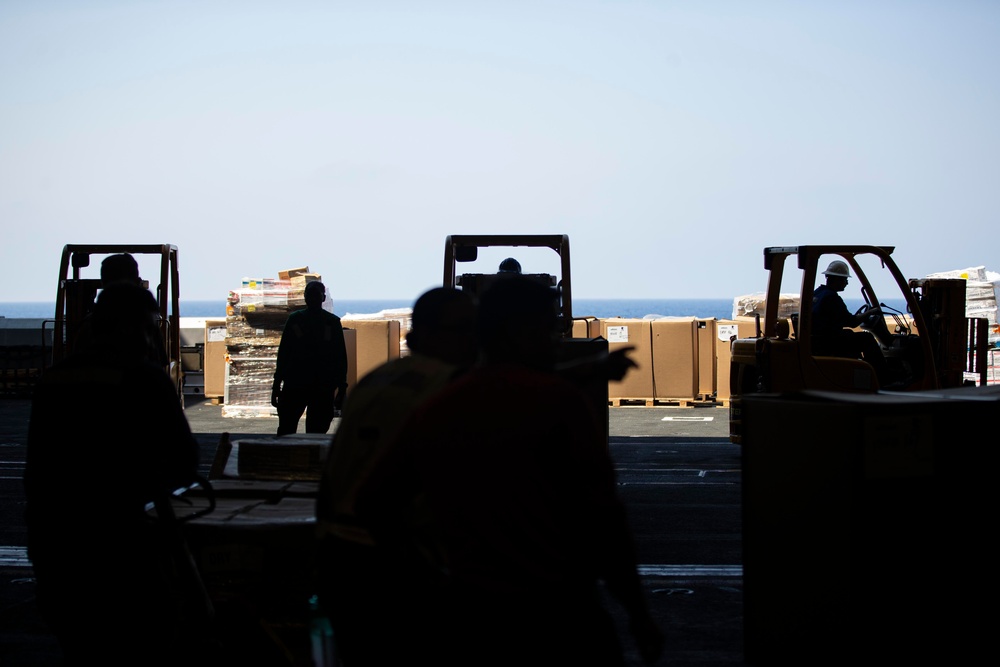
(369, 592)
(310, 373)
(832, 324)
(510, 265)
(520, 489)
(106, 436)
(122, 268)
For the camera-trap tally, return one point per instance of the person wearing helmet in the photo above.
(833, 323)
(510, 265)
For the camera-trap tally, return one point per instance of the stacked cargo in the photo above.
(255, 317)
(981, 301)
(980, 295)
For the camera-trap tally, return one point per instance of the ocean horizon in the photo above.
(721, 309)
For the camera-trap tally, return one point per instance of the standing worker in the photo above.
(105, 583)
(367, 591)
(310, 374)
(520, 492)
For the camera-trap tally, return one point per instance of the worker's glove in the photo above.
(276, 393)
(339, 396)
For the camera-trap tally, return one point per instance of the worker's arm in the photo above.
(613, 365)
(863, 313)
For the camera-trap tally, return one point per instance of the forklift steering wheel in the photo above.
(869, 313)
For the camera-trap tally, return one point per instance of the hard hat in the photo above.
(510, 265)
(837, 268)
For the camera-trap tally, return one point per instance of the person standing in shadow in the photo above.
(366, 590)
(107, 437)
(310, 373)
(519, 488)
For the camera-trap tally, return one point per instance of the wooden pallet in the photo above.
(622, 402)
(668, 402)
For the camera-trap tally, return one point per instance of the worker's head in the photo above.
(837, 275)
(118, 268)
(517, 323)
(510, 265)
(314, 294)
(125, 320)
(443, 326)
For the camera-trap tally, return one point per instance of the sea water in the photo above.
(601, 308)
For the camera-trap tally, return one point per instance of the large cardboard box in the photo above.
(675, 358)
(874, 490)
(214, 360)
(708, 372)
(351, 341)
(377, 343)
(586, 327)
(725, 330)
(627, 332)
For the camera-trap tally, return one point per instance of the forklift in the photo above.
(77, 290)
(572, 345)
(932, 345)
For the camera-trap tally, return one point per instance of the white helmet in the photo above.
(837, 268)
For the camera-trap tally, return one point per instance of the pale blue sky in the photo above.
(671, 141)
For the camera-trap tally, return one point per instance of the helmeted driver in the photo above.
(833, 323)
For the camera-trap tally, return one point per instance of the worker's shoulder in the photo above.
(313, 314)
(413, 371)
(325, 315)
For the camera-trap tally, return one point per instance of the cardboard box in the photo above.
(586, 327)
(288, 274)
(708, 372)
(351, 341)
(191, 359)
(214, 359)
(290, 457)
(740, 327)
(377, 342)
(875, 490)
(624, 332)
(675, 358)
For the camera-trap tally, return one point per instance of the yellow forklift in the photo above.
(929, 344)
(575, 343)
(77, 290)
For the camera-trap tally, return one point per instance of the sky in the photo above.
(670, 141)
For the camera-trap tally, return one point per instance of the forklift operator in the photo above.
(833, 323)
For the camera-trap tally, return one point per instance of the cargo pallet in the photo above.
(668, 402)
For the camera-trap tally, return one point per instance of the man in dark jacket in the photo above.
(519, 490)
(310, 374)
(104, 579)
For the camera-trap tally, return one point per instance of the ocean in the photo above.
(721, 309)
